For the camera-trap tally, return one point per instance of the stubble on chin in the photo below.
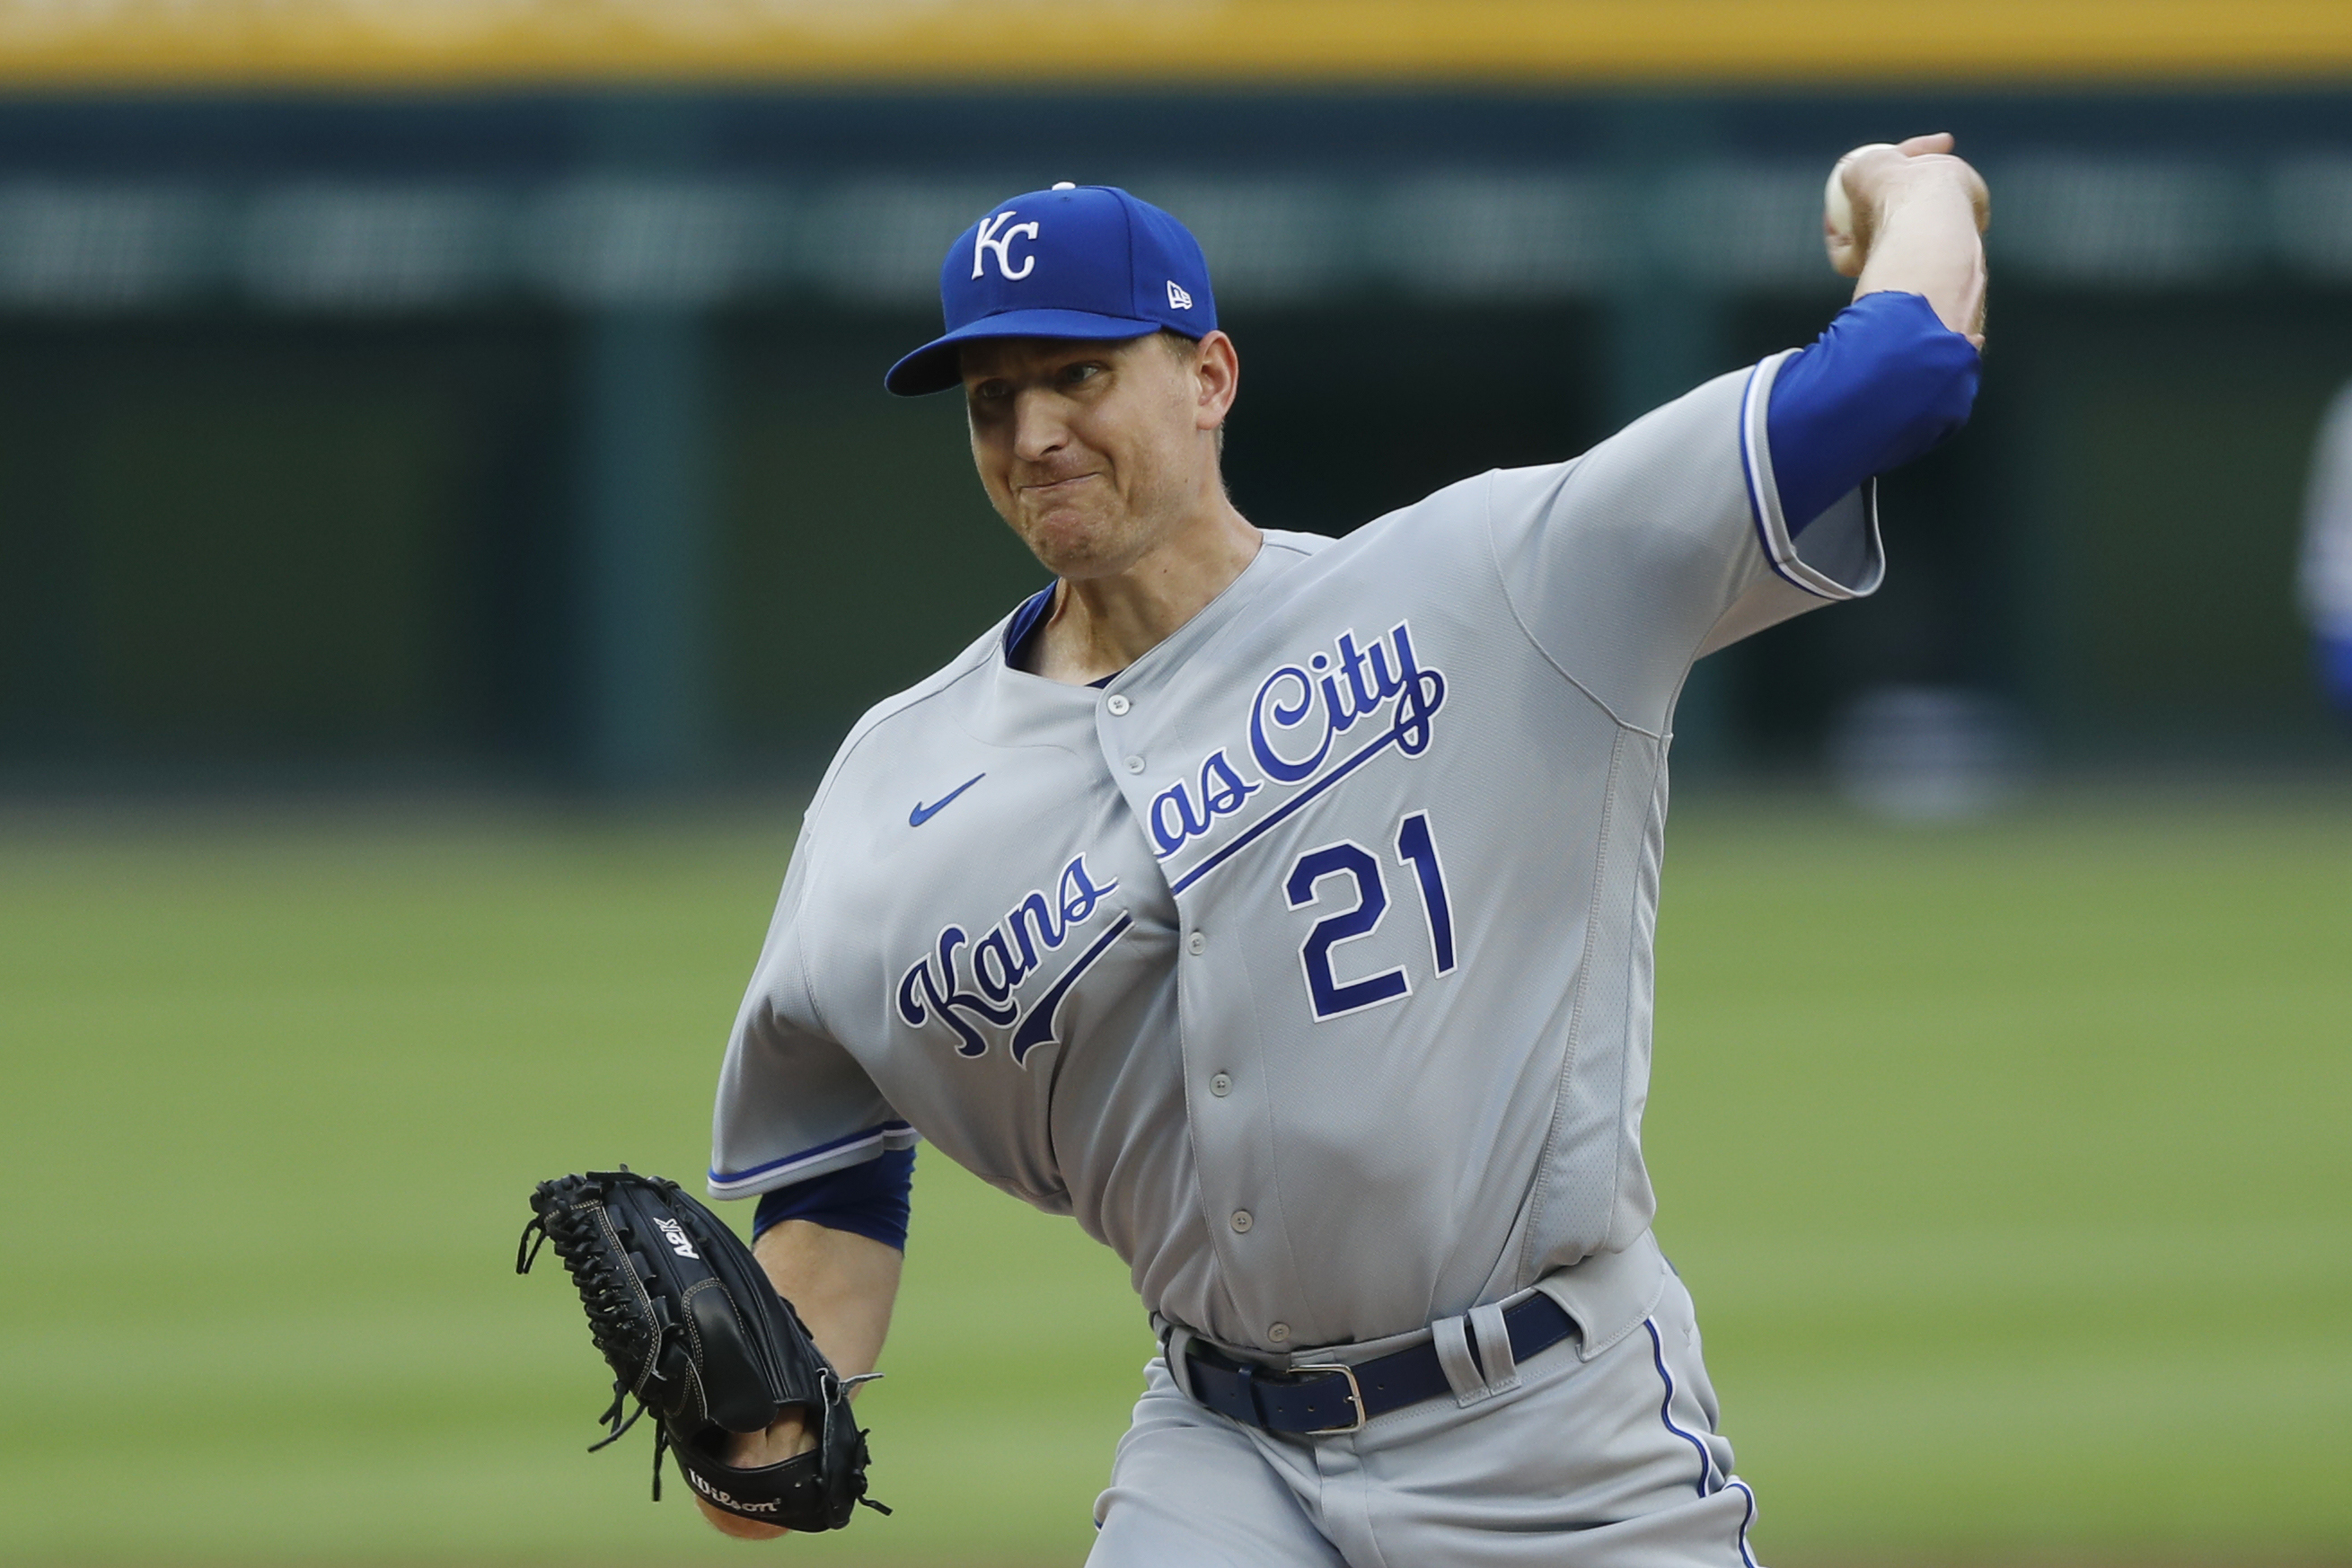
(1090, 549)
(1078, 541)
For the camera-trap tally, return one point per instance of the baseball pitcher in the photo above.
(1280, 908)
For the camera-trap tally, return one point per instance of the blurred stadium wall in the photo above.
(490, 390)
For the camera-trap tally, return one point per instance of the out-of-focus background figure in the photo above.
(448, 505)
(2326, 576)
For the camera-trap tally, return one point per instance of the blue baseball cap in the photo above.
(1076, 261)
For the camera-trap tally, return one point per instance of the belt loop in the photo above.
(1494, 1348)
(1462, 1373)
(1248, 1375)
(1177, 1348)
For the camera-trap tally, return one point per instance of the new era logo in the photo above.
(1177, 299)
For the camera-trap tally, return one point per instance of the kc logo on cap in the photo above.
(1075, 262)
(991, 235)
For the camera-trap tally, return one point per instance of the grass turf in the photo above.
(2008, 1163)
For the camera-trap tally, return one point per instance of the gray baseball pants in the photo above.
(1591, 1455)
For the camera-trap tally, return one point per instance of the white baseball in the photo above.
(1837, 211)
(1837, 205)
(1837, 208)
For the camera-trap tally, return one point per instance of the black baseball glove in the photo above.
(697, 1334)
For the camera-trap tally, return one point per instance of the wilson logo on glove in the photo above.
(726, 1502)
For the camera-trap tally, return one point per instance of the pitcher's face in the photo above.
(1093, 451)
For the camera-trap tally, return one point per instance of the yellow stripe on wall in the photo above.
(178, 43)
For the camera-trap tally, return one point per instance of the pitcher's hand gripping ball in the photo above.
(694, 1333)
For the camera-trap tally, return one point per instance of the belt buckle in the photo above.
(1355, 1396)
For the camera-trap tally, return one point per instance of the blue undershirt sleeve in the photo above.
(1883, 384)
(870, 1199)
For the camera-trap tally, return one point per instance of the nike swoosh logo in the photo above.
(922, 813)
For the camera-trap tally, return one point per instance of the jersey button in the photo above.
(1241, 1222)
(1135, 765)
(1221, 1085)
(1196, 945)
(1279, 1334)
(1118, 702)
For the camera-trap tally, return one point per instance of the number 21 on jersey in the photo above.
(1332, 871)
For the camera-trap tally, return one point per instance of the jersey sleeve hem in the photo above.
(1780, 547)
(822, 1159)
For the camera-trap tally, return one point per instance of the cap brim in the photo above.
(935, 366)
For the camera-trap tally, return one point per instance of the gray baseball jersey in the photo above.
(1307, 962)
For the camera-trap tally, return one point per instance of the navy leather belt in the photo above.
(1339, 1398)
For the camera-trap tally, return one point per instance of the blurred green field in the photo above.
(2010, 1165)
